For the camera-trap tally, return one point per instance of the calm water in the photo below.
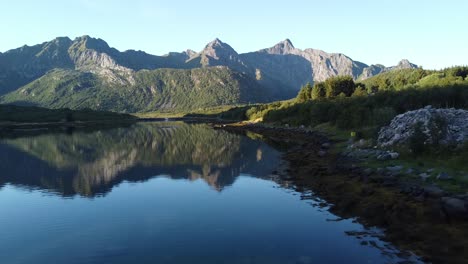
(161, 193)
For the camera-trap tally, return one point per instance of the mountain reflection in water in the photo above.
(90, 164)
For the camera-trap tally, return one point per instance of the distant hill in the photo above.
(88, 73)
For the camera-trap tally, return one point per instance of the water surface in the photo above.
(162, 193)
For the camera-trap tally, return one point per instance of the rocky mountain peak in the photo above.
(62, 40)
(88, 42)
(215, 43)
(190, 53)
(218, 49)
(284, 47)
(218, 44)
(287, 43)
(406, 64)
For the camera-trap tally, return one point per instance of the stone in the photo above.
(433, 191)
(424, 176)
(326, 145)
(322, 153)
(384, 157)
(401, 127)
(409, 171)
(360, 143)
(454, 207)
(394, 168)
(367, 171)
(394, 155)
(443, 176)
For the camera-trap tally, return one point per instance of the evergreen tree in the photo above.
(305, 93)
(339, 84)
(319, 91)
(360, 90)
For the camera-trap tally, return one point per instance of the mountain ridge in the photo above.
(275, 73)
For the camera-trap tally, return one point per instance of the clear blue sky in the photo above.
(430, 33)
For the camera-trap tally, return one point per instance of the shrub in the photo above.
(437, 129)
(319, 91)
(417, 141)
(334, 86)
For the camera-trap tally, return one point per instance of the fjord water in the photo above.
(161, 193)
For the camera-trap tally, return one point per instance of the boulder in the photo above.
(433, 191)
(367, 172)
(384, 156)
(394, 168)
(454, 207)
(322, 153)
(402, 126)
(443, 176)
(424, 176)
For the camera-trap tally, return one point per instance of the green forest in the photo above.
(372, 103)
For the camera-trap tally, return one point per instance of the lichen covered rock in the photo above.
(452, 130)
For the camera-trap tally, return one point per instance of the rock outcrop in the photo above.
(453, 128)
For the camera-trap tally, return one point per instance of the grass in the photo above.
(438, 160)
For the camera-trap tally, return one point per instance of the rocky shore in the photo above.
(423, 219)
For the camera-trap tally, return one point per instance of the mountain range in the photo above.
(87, 73)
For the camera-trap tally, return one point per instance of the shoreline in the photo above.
(415, 223)
(18, 129)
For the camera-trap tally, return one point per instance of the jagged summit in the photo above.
(190, 52)
(215, 43)
(284, 47)
(218, 44)
(405, 64)
(217, 50)
(287, 43)
(91, 43)
(87, 63)
(62, 39)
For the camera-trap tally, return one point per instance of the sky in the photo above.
(430, 33)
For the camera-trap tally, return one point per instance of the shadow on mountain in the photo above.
(91, 164)
(281, 70)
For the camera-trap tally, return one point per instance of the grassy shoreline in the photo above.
(16, 121)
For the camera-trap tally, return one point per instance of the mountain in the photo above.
(161, 89)
(373, 70)
(87, 72)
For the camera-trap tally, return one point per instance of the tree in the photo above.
(339, 84)
(360, 90)
(305, 93)
(319, 91)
